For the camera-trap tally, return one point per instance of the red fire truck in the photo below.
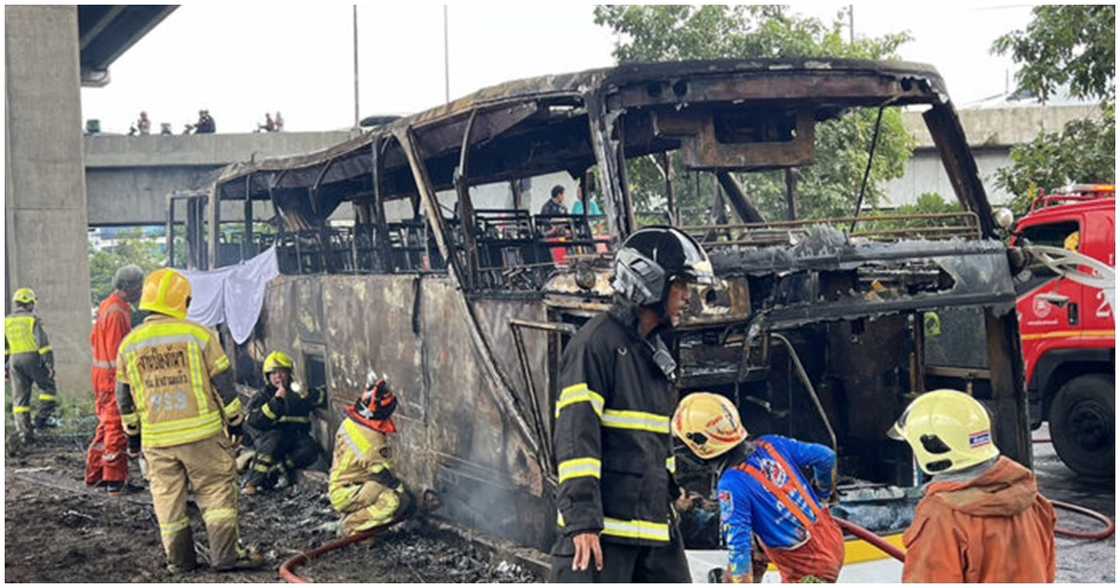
(1066, 326)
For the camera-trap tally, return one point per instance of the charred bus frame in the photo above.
(814, 332)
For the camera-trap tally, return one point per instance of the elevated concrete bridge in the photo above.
(128, 178)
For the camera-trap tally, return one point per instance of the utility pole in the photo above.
(356, 119)
(446, 64)
(852, 24)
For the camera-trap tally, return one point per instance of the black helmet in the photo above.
(651, 258)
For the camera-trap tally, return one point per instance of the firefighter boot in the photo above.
(247, 559)
(45, 417)
(24, 432)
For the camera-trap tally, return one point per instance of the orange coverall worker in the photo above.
(107, 459)
(992, 527)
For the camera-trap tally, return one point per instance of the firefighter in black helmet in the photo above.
(613, 443)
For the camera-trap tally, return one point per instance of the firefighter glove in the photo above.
(235, 434)
(134, 446)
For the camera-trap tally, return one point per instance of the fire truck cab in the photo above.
(1066, 328)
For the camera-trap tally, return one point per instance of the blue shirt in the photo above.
(577, 208)
(748, 508)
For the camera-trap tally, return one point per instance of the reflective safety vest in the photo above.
(361, 456)
(23, 333)
(168, 364)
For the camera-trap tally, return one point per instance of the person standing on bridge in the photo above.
(28, 359)
(772, 489)
(612, 437)
(981, 518)
(175, 391)
(107, 457)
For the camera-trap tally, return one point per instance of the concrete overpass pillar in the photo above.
(45, 215)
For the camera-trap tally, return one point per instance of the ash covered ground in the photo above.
(56, 531)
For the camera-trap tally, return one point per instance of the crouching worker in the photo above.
(764, 493)
(363, 488)
(281, 415)
(982, 518)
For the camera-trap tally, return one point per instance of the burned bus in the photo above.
(413, 249)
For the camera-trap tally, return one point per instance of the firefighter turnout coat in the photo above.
(363, 488)
(612, 438)
(168, 365)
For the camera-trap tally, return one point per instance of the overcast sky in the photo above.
(241, 59)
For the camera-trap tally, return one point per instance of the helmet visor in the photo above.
(898, 429)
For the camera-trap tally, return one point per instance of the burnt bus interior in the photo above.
(818, 330)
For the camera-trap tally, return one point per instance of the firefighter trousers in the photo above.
(623, 563)
(107, 457)
(208, 467)
(27, 369)
(280, 452)
(373, 505)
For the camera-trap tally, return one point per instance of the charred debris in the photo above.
(413, 249)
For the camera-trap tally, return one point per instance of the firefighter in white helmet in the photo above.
(980, 506)
(773, 489)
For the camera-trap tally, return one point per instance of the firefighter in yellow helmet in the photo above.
(280, 415)
(363, 488)
(772, 490)
(176, 394)
(980, 506)
(29, 360)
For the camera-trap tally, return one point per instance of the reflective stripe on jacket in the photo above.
(23, 333)
(293, 411)
(361, 456)
(114, 321)
(167, 364)
(612, 436)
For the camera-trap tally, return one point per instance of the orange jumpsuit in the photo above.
(107, 460)
(993, 528)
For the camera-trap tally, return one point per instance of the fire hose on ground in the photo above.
(287, 569)
(429, 502)
(882, 545)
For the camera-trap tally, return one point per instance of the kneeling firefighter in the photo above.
(763, 492)
(281, 416)
(363, 488)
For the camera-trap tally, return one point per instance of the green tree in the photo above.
(130, 248)
(1074, 45)
(1065, 44)
(830, 187)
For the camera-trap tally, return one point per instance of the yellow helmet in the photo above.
(24, 296)
(277, 360)
(166, 291)
(947, 430)
(708, 424)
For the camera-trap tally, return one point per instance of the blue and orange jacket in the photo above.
(747, 508)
